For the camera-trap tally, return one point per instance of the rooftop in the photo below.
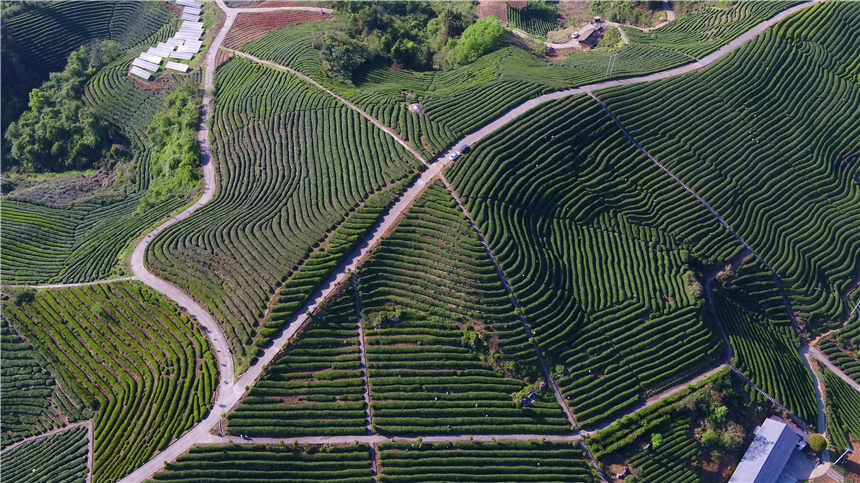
(768, 453)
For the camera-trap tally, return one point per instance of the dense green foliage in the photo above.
(37, 38)
(433, 262)
(478, 39)
(790, 114)
(256, 462)
(58, 458)
(536, 18)
(292, 163)
(425, 378)
(59, 131)
(510, 461)
(31, 400)
(597, 243)
(415, 35)
(843, 411)
(127, 354)
(316, 386)
(175, 155)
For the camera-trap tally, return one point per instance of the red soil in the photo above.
(249, 26)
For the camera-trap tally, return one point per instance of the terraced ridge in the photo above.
(256, 462)
(434, 263)
(426, 379)
(512, 461)
(128, 355)
(843, 411)
(534, 22)
(767, 137)
(766, 352)
(847, 360)
(60, 458)
(315, 387)
(710, 28)
(84, 241)
(311, 273)
(47, 33)
(32, 402)
(459, 101)
(666, 463)
(676, 418)
(597, 243)
(292, 163)
(41, 35)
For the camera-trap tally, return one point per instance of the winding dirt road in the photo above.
(231, 390)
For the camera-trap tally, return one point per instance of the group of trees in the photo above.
(58, 131)
(415, 35)
(176, 154)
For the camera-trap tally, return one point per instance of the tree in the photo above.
(817, 442)
(656, 440)
(341, 56)
(480, 38)
(710, 438)
(733, 436)
(718, 415)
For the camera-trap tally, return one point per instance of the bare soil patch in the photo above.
(249, 26)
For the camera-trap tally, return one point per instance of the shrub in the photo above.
(478, 39)
(817, 442)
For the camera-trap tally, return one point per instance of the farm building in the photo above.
(773, 445)
(589, 36)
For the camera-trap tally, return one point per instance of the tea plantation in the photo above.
(122, 352)
(292, 165)
(766, 106)
(60, 457)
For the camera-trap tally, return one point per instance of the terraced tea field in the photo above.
(434, 263)
(766, 352)
(424, 381)
(60, 457)
(710, 28)
(316, 387)
(38, 38)
(843, 411)
(292, 164)
(597, 246)
(513, 461)
(84, 241)
(32, 402)
(435, 293)
(460, 100)
(799, 206)
(122, 352)
(349, 464)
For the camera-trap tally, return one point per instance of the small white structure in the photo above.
(181, 55)
(140, 73)
(150, 58)
(189, 3)
(138, 62)
(177, 66)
